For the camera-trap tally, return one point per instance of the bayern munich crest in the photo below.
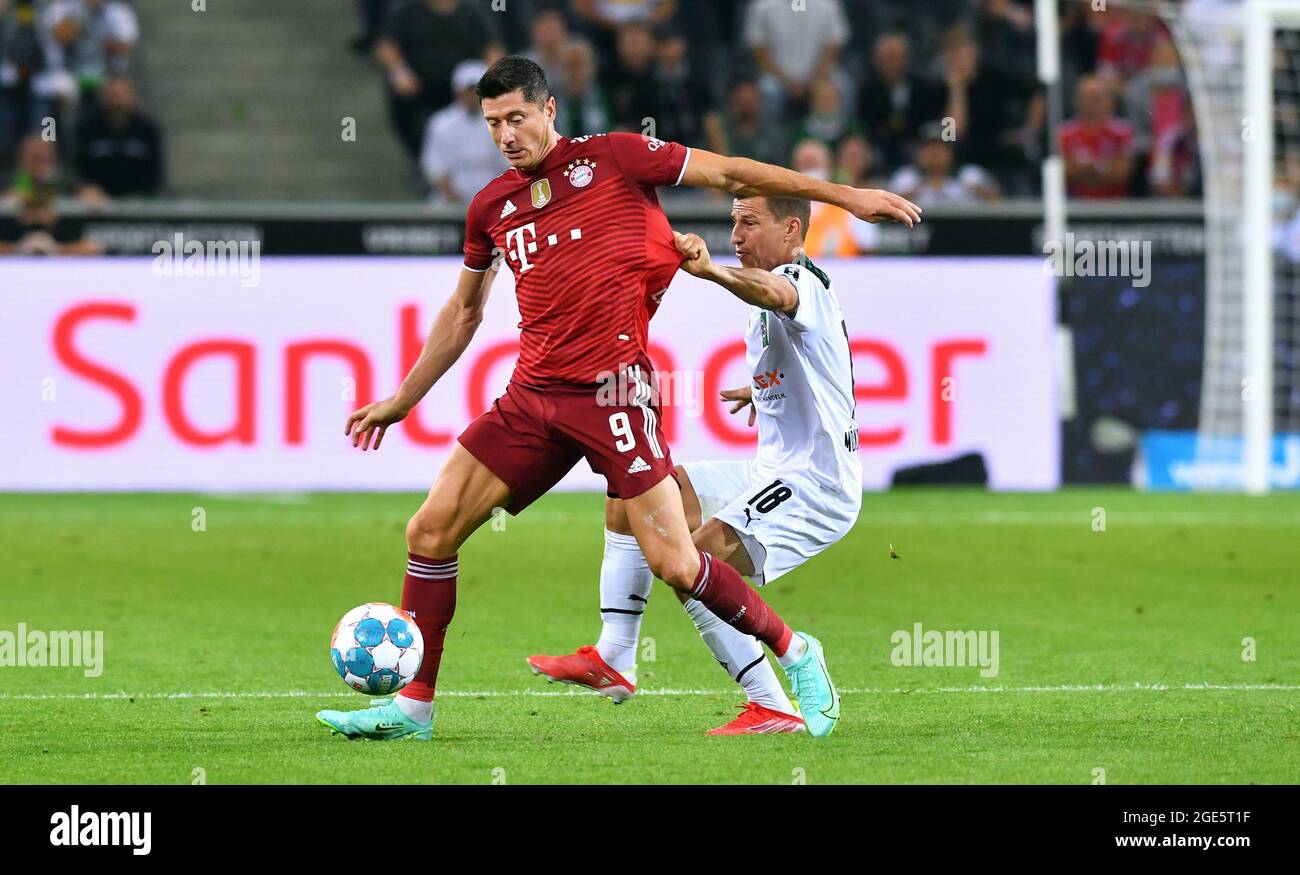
(581, 172)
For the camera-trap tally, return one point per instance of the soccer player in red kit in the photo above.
(579, 224)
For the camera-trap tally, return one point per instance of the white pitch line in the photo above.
(1010, 518)
(1065, 518)
(494, 694)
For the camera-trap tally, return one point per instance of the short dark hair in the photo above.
(792, 208)
(515, 73)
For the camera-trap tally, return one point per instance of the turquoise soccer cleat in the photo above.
(819, 703)
(382, 722)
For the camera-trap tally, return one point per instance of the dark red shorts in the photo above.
(532, 437)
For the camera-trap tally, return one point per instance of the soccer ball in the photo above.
(376, 648)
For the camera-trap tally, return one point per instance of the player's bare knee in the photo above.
(677, 571)
(429, 533)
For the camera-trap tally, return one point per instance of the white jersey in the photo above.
(803, 385)
(803, 491)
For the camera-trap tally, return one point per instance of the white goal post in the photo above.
(1263, 18)
(1238, 56)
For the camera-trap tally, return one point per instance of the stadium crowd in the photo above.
(70, 122)
(939, 101)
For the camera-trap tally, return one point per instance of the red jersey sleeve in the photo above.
(478, 245)
(647, 161)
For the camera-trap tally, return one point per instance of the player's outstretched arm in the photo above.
(744, 177)
(452, 331)
(752, 285)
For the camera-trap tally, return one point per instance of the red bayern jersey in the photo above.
(591, 250)
(1096, 145)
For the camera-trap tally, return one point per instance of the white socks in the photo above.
(414, 709)
(798, 647)
(741, 656)
(625, 582)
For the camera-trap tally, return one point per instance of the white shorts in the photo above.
(782, 519)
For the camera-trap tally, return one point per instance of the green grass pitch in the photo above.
(1120, 650)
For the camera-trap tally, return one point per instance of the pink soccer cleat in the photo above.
(584, 669)
(754, 719)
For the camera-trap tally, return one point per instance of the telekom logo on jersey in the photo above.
(522, 242)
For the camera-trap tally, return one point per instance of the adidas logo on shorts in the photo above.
(638, 466)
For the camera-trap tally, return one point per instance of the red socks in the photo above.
(722, 590)
(429, 595)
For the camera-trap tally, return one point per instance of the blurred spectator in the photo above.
(459, 158)
(21, 59)
(682, 94)
(39, 179)
(39, 230)
(1156, 98)
(602, 20)
(610, 15)
(422, 42)
(1286, 216)
(924, 23)
(935, 178)
(1097, 146)
(829, 119)
(855, 163)
(793, 47)
(1126, 44)
(372, 22)
(1081, 27)
(741, 131)
(548, 34)
(997, 115)
(84, 41)
(833, 232)
(37, 172)
(1004, 30)
(894, 103)
(581, 107)
(1174, 168)
(119, 148)
(630, 80)
(709, 46)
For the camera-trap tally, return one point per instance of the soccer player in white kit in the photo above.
(764, 516)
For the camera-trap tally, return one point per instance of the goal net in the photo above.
(1241, 63)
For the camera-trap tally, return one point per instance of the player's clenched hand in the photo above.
(696, 253)
(876, 204)
(373, 420)
(744, 397)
